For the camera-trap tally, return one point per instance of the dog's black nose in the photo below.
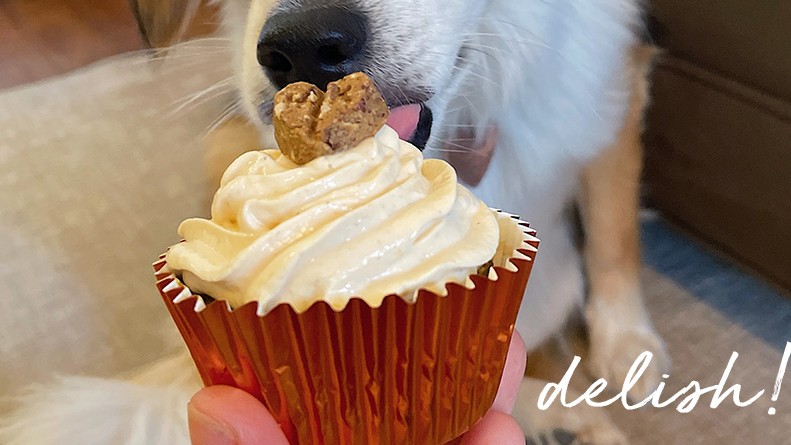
(319, 45)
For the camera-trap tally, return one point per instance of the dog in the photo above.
(539, 106)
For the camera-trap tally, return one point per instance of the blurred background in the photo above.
(43, 38)
(716, 231)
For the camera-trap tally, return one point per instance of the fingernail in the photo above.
(206, 430)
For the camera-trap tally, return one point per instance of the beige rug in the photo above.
(701, 341)
(705, 308)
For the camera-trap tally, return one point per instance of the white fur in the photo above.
(149, 408)
(565, 100)
(548, 73)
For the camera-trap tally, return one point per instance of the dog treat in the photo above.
(310, 123)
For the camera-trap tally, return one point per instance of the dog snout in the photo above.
(318, 45)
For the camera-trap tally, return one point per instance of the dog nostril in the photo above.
(331, 55)
(275, 61)
(316, 45)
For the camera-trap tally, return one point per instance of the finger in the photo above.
(495, 428)
(512, 375)
(221, 415)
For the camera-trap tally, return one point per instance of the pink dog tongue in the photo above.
(404, 120)
(470, 159)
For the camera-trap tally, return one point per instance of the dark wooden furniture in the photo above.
(718, 139)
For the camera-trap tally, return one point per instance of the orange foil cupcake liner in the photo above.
(402, 373)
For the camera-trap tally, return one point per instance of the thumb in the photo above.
(222, 415)
(513, 374)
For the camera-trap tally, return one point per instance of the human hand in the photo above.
(222, 415)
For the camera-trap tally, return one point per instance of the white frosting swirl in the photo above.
(369, 222)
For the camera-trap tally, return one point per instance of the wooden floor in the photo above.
(42, 38)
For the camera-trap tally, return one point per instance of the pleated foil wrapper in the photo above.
(401, 373)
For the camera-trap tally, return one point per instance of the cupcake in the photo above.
(356, 289)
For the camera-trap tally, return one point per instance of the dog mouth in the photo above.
(470, 155)
(412, 123)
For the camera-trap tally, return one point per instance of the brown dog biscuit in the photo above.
(353, 111)
(310, 123)
(295, 112)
